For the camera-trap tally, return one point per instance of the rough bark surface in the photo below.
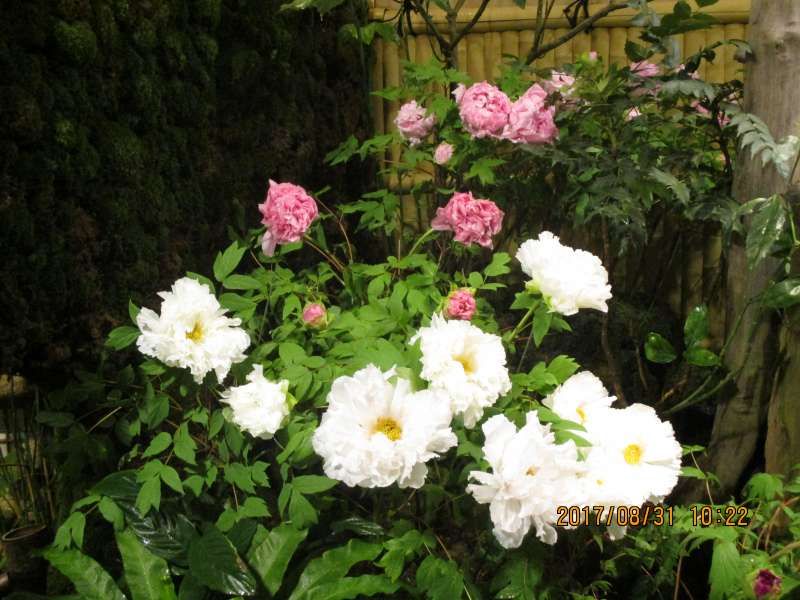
(771, 92)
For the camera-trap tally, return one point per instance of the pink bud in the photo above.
(460, 305)
(315, 315)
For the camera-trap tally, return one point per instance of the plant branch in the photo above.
(466, 29)
(580, 28)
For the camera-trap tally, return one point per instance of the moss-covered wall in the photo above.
(132, 132)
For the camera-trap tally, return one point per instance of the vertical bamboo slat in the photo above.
(391, 76)
(715, 72)
(475, 58)
(563, 54)
(581, 43)
(600, 43)
(493, 54)
(509, 43)
(693, 42)
(733, 69)
(377, 84)
(617, 38)
(525, 42)
(463, 58)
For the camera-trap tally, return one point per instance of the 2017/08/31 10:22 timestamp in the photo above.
(703, 515)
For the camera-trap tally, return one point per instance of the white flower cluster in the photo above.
(192, 332)
(633, 458)
(376, 432)
(567, 278)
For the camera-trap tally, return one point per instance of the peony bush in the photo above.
(330, 413)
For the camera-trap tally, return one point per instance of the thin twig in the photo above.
(580, 28)
(466, 29)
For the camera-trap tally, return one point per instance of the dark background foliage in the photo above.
(132, 133)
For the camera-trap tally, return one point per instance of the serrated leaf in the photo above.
(562, 368)
(270, 558)
(679, 188)
(147, 575)
(88, 577)
(499, 265)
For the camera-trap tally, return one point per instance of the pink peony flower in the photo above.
(723, 119)
(644, 68)
(593, 55)
(766, 584)
(458, 93)
(315, 315)
(443, 153)
(633, 113)
(531, 119)
(287, 214)
(412, 123)
(469, 219)
(460, 305)
(557, 82)
(483, 108)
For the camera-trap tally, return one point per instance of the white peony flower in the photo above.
(376, 432)
(192, 331)
(258, 407)
(531, 476)
(634, 457)
(465, 363)
(579, 399)
(569, 279)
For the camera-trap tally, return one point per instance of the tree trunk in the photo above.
(771, 93)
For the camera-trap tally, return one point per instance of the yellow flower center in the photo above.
(196, 334)
(388, 427)
(581, 414)
(467, 362)
(531, 471)
(632, 454)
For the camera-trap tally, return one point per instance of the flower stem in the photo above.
(522, 322)
(421, 239)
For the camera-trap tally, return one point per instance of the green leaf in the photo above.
(291, 353)
(301, 512)
(677, 186)
(441, 580)
(399, 550)
(658, 350)
(700, 357)
(147, 575)
(184, 445)
(271, 557)
(726, 570)
(483, 169)
(159, 443)
(242, 282)
(149, 495)
(133, 311)
(122, 337)
(764, 486)
(71, 531)
(111, 512)
(783, 294)
(228, 260)
(170, 477)
(55, 419)
(213, 561)
(312, 484)
(119, 485)
(90, 580)
(499, 265)
(765, 229)
(325, 577)
(695, 330)
(519, 577)
(541, 325)
(562, 367)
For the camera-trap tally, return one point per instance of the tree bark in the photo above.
(771, 93)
